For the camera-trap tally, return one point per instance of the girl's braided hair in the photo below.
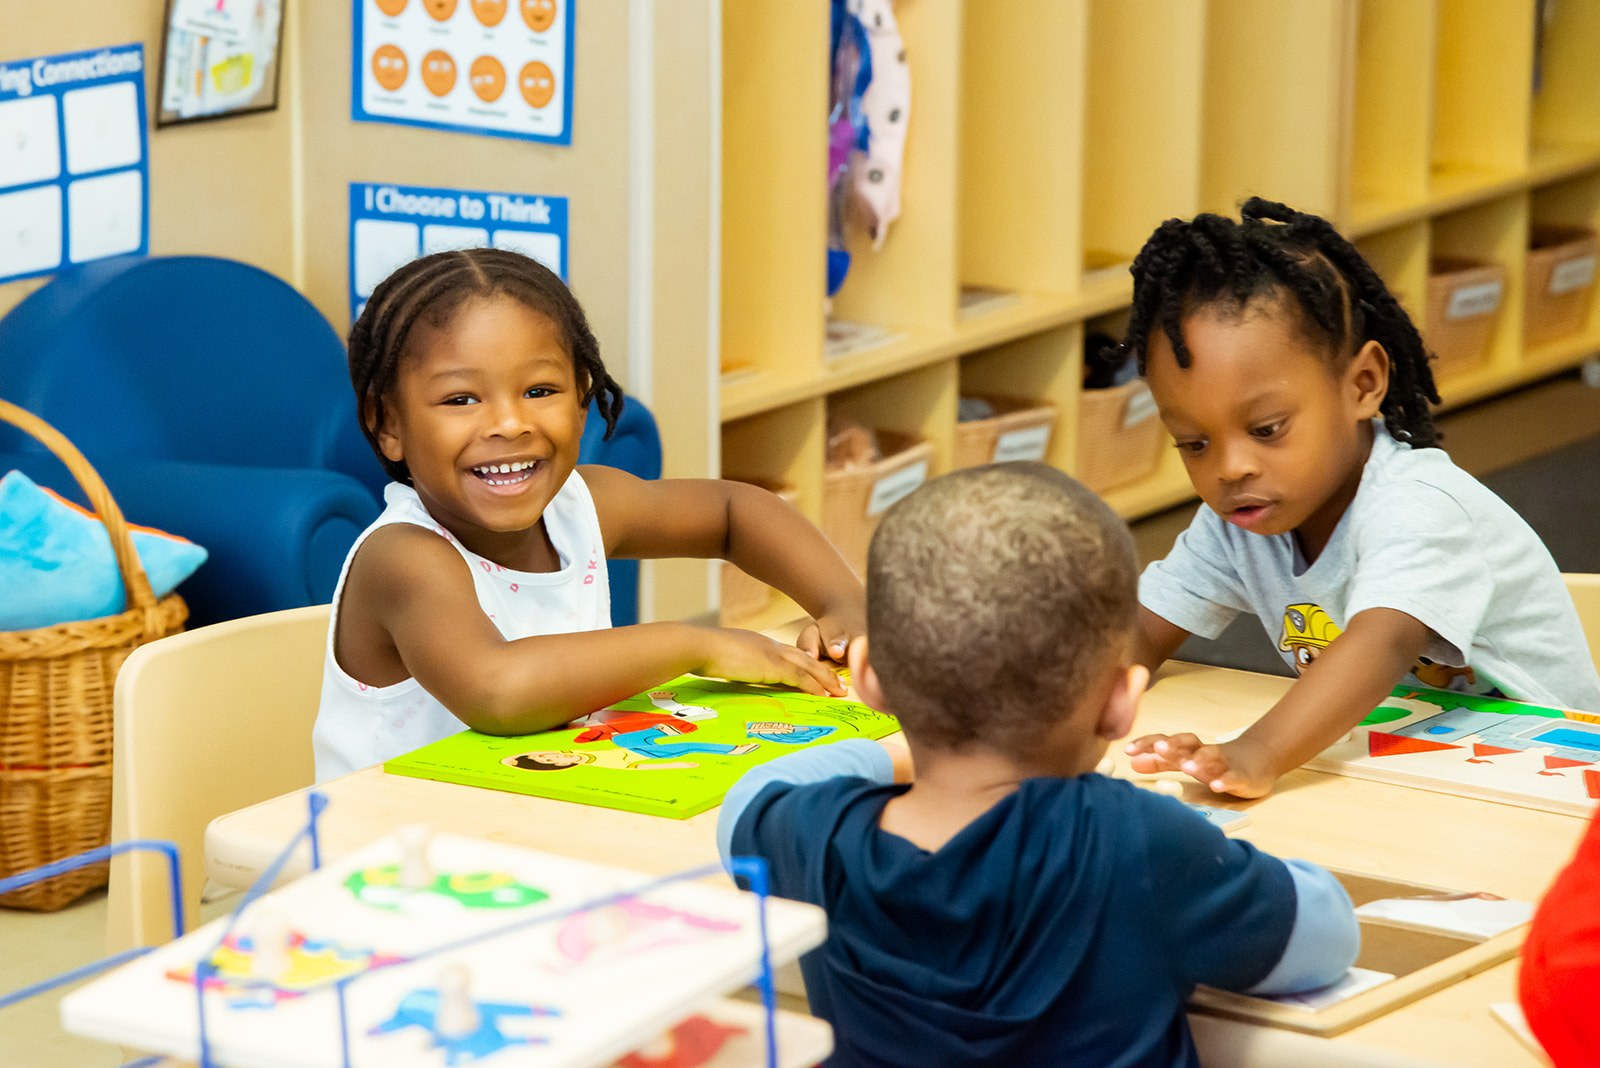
(434, 287)
(1275, 251)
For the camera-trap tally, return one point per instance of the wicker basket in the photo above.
(1022, 427)
(55, 709)
(1560, 282)
(1119, 436)
(855, 498)
(1464, 300)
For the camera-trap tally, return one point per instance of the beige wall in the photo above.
(218, 188)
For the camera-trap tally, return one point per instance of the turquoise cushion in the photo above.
(56, 564)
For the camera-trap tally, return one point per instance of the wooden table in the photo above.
(1332, 820)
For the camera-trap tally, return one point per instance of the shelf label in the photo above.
(1029, 444)
(891, 488)
(1470, 301)
(1141, 406)
(1573, 274)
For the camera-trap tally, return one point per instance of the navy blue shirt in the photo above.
(1065, 926)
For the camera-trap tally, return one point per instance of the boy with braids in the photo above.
(1004, 905)
(479, 597)
(1272, 350)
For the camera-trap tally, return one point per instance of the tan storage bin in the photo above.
(855, 498)
(743, 596)
(1119, 435)
(1019, 430)
(1560, 285)
(1464, 301)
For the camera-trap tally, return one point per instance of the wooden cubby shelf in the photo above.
(1048, 138)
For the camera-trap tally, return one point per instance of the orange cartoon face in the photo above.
(391, 7)
(488, 78)
(389, 67)
(439, 9)
(438, 72)
(489, 12)
(538, 84)
(538, 14)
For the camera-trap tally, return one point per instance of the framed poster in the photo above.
(391, 225)
(496, 67)
(74, 172)
(219, 58)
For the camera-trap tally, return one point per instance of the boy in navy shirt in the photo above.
(1006, 906)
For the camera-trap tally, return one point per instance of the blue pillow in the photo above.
(56, 564)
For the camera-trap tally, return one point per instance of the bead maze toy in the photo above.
(440, 951)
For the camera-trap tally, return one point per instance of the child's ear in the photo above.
(380, 421)
(863, 680)
(1116, 718)
(1368, 376)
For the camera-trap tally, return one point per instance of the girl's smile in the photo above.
(487, 415)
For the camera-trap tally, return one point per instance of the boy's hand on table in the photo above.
(745, 656)
(1241, 767)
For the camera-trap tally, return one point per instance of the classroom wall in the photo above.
(272, 189)
(216, 188)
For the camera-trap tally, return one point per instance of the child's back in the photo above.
(1010, 907)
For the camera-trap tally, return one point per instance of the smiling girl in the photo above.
(1296, 389)
(479, 597)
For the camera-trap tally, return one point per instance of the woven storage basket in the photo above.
(55, 709)
(1560, 282)
(977, 440)
(1119, 435)
(1464, 301)
(855, 498)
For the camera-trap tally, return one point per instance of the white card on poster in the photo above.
(104, 127)
(30, 233)
(105, 215)
(30, 148)
(546, 248)
(380, 247)
(437, 238)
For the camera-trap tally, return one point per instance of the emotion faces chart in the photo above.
(501, 67)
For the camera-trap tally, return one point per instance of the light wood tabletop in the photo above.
(1357, 825)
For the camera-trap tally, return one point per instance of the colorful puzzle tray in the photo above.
(1471, 746)
(674, 751)
(586, 986)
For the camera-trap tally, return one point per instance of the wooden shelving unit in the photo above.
(1047, 138)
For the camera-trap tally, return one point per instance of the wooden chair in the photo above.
(1585, 591)
(205, 722)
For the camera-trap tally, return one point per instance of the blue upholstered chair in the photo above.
(215, 402)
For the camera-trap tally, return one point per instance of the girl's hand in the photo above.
(745, 656)
(830, 634)
(1241, 767)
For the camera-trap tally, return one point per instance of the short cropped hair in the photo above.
(995, 596)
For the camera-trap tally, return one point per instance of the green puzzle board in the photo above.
(654, 771)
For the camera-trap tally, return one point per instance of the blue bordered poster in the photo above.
(74, 171)
(391, 225)
(498, 67)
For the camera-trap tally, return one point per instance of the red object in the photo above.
(695, 1041)
(1381, 744)
(1559, 984)
(1551, 763)
(1591, 782)
(626, 722)
(1479, 749)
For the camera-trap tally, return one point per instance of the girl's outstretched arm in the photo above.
(1156, 640)
(740, 523)
(409, 611)
(1351, 677)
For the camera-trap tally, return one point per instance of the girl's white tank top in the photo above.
(360, 725)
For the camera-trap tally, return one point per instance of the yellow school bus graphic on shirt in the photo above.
(1307, 630)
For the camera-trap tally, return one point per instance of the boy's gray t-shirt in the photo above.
(1423, 537)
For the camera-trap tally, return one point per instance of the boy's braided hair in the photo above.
(434, 287)
(1275, 251)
